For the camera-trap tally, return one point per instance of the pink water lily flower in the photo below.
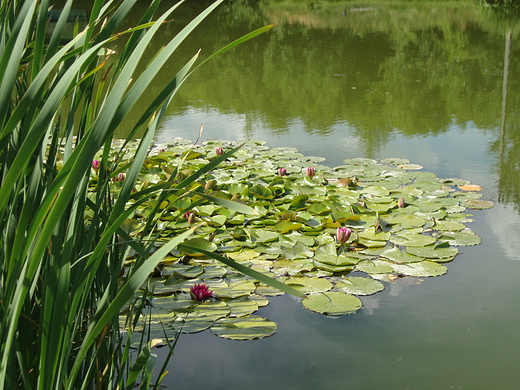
(96, 164)
(343, 234)
(282, 171)
(200, 292)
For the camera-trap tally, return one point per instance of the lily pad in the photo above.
(375, 266)
(423, 268)
(309, 285)
(412, 239)
(434, 252)
(357, 285)
(400, 257)
(242, 306)
(192, 322)
(476, 204)
(460, 238)
(332, 303)
(244, 328)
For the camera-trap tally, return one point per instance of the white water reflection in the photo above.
(505, 225)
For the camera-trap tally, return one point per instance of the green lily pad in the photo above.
(399, 257)
(297, 251)
(191, 322)
(287, 226)
(234, 288)
(405, 220)
(423, 268)
(309, 285)
(332, 303)
(244, 328)
(476, 204)
(213, 309)
(449, 225)
(412, 239)
(357, 285)
(434, 252)
(395, 161)
(242, 306)
(460, 238)
(287, 267)
(375, 266)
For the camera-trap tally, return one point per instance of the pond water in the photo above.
(437, 83)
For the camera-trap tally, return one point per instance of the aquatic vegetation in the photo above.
(399, 221)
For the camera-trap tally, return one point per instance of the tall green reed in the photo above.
(63, 244)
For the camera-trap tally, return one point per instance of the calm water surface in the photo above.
(438, 85)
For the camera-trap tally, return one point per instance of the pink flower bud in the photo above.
(310, 171)
(343, 234)
(282, 171)
(96, 164)
(189, 216)
(121, 176)
(219, 151)
(401, 203)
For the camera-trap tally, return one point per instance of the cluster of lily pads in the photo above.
(398, 221)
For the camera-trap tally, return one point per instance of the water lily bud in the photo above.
(160, 150)
(121, 176)
(210, 185)
(189, 216)
(310, 171)
(96, 164)
(343, 234)
(282, 171)
(219, 151)
(401, 203)
(200, 292)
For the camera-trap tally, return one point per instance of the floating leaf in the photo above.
(479, 204)
(197, 243)
(234, 288)
(399, 257)
(191, 322)
(395, 161)
(287, 226)
(434, 252)
(423, 268)
(332, 303)
(449, 225)
(357, 285)
(244, 328)
(241, 307)
(297, 251)
(213, 309)
(410, 166)
(309, 285)
(407, 221)
(460, 238)
(375, 266)
(412, 239)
